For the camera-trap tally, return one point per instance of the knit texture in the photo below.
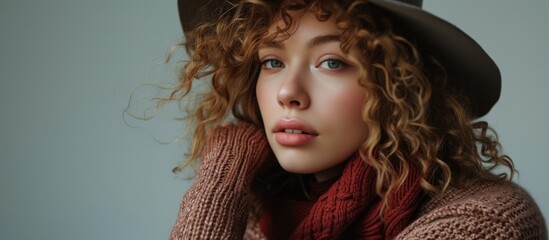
(485, 210)
(215, 206)
(352, 199)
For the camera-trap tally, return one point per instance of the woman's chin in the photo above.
(296, 167)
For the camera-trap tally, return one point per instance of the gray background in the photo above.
(70, 168)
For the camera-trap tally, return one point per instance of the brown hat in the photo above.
(468, 65)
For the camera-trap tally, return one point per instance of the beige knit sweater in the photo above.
(483, 211)
(216, 207)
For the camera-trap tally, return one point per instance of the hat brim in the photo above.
(469, 67)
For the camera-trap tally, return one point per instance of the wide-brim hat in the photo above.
(470, 68)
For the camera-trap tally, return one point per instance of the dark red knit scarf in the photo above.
(351, 207)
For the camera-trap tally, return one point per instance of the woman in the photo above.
(354, 120)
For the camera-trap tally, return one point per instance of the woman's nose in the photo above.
(293, 92)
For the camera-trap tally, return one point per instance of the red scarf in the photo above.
(351, 208)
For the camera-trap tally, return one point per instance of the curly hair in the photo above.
(416, 119)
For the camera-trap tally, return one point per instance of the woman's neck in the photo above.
(330, 173)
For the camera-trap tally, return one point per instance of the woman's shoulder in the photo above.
(500, 210)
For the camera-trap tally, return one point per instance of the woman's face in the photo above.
(309, 98)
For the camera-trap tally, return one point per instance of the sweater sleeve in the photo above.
(485, 211)
(215, 207)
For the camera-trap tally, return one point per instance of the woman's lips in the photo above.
(293, 132)
(293, 139)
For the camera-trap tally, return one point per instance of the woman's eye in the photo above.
(332, 64)
(272, 63)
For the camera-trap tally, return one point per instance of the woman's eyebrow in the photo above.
(272, 44)
(315, 42)
(323, 39)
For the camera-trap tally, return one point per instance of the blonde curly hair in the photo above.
(416, 118)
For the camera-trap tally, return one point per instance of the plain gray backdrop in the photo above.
(70, 168)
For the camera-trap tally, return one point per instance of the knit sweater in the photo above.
(216, 205)
(485, 210)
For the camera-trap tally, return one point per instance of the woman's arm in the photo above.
(483, 211)
(215, 207)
